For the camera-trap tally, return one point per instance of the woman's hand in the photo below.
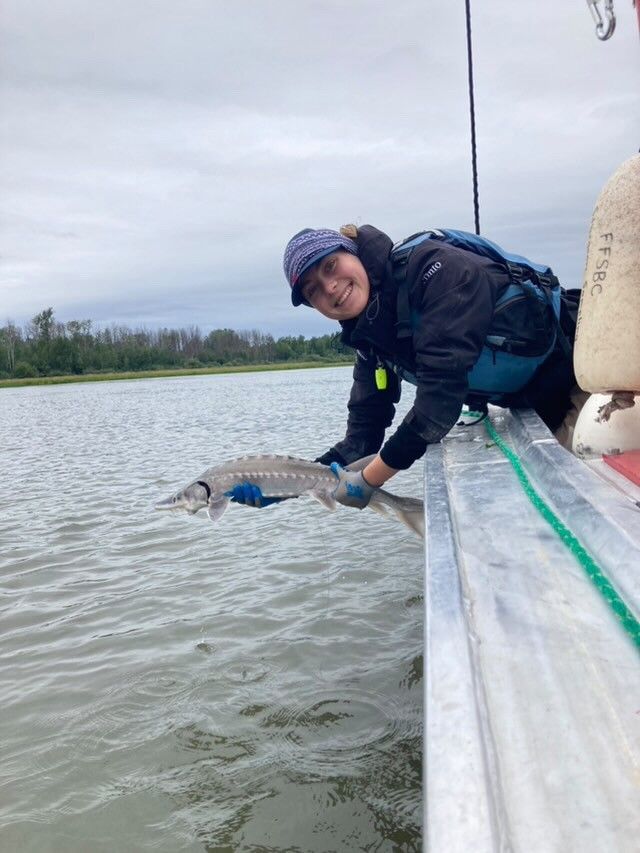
(352, 488)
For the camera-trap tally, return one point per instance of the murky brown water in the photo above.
(169, 685)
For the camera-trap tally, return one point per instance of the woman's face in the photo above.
(337, 286)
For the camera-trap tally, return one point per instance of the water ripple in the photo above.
(331, 732)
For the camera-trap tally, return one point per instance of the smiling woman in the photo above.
(443, 310)
(451, 313)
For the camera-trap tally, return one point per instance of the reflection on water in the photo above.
(172, 685)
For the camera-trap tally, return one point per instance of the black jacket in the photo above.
(453, 293)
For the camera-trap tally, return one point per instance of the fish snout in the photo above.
(191, 499)
(169, 503)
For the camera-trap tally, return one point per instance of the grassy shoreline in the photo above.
(159, 374)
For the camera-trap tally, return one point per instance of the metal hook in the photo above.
(604, 25)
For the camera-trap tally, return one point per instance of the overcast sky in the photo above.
(156, 156)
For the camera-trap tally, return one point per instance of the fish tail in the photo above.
(409, 511)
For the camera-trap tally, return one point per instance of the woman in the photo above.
(436, 341)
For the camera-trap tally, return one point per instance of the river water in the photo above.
(171, 685)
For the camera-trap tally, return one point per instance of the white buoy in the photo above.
(607, 347)
(593, 437)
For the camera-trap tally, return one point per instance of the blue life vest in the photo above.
(525, 322)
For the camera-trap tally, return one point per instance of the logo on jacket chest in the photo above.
(433, 269)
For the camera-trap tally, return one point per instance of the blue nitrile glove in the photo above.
(352, 488)
(250, 495)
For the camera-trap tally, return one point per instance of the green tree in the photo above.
(43, 323)
(9, 338)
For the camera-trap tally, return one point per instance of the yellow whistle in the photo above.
(381, 379)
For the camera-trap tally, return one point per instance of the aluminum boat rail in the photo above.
(532, 686)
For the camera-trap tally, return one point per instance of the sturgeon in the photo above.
(284, 477)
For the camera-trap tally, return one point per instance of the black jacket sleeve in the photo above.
(370, 412)
(453, 294)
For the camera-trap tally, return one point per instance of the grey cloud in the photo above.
(155, 157)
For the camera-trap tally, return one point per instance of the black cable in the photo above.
(472, 110)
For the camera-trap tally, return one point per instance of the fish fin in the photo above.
(409, 511)
(325, 498)
(217, 506)
(414, 521)
(382, 510)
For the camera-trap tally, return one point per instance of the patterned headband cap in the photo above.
(306, 248)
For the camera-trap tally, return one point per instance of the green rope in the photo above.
(593, 570)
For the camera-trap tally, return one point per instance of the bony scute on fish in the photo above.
(284, 477)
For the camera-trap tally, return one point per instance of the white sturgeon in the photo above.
(284, 477)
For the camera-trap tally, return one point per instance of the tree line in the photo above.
(46, 347)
